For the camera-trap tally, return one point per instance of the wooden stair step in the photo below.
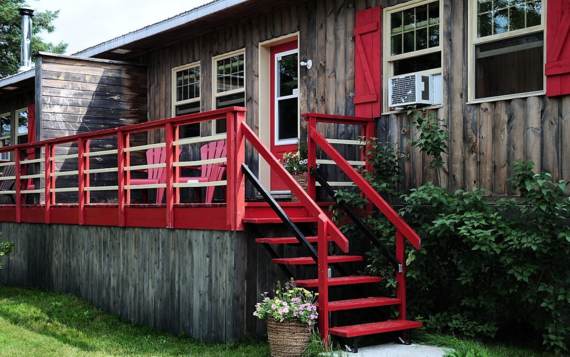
(332, 259)
(362, 303)
(284, 240)
(374, 328)
(277, 220)
(340, 281)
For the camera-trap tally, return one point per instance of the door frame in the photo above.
(264, 97)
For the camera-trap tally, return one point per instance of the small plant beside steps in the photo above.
(291, 314)
(296, 164)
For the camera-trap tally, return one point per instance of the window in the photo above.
(287, 97)
(228, 83)
(186, 95)
(412, 40)
(22, 125)
(506, 34)
(5, 133)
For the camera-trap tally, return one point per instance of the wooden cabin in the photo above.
(146, 175)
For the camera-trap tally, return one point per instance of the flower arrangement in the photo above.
(296, 162)
(289, 304)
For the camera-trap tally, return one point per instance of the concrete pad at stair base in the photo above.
(394, 350)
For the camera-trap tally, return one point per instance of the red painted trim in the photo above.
(81, 179)
(323, 276)
(401, 275)
(277, 150)
(121, 177)
(18, 186)
(338, 119)
(31, 123)
(33, 214)
(557, 68)
(367, 62)
(311, 159)
(168, 138)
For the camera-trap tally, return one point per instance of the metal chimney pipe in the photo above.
(26, 44)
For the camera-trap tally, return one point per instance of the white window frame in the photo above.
(215, 93)
(17, 123)
(474, 40)
(6, 155)
(294, 95)
(389, 59)
(174, 91)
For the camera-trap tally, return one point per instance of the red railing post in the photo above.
(18, 186)
(81, 180)
(168, 139)
(323, 275)
(311, 157)
(121, 177)
(235, 189)
(176, 154)
(47, 181)
(401, 274)
(86, 168)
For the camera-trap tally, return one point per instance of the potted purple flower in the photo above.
(290, 316)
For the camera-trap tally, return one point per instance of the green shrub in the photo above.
(5, 249)
(486, 269)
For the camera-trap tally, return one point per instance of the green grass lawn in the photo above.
(37, 323)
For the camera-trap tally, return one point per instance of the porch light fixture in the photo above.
(306, 63)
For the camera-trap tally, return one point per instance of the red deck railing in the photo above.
(40, 169)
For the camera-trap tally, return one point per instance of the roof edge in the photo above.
(161, 26)
(18, 77)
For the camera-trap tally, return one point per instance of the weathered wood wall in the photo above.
(200, 283)
(78, 95)
(484, 139)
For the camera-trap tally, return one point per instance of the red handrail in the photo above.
(308, 202)
(369, 192)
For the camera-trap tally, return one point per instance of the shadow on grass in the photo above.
(75, 323)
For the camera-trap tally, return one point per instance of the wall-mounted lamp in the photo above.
(307, 63)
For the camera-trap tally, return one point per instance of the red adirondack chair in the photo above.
(208, 172)
(155, 175)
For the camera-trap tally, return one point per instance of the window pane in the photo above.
(434, 13)
(484, 6)
(500, 4)
(409, 19)
(230, 73)
(517, 15)
(288, 121)
(188, 84)
(288, 75)
(421, 16)
(396, 44)
(189, 108)
(6, 127)
(416, 64)
(396, 22)
(421, 39)
(523, 56)
(485, 25)
(409, 41)
(434, 36)
(534, 13)
(501, 21)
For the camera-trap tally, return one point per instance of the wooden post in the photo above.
(235, 189)
(47, 182)
(168, 139)
(176, 177)
(311, 158)
(18, 186)
(81, 180)
(323, 276)
(86, 168)
(401, 274)
(121, 177)
(369, 133)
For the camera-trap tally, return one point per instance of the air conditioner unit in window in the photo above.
(414, 89)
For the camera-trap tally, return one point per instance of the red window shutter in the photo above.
(368, 62)
(558, 48)
(31, 123)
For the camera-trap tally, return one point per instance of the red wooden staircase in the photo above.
(328, 237)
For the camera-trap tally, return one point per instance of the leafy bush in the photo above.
(485, 268)
(5, 249)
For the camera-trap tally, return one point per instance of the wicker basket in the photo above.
(302, 180)
(287, 339)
